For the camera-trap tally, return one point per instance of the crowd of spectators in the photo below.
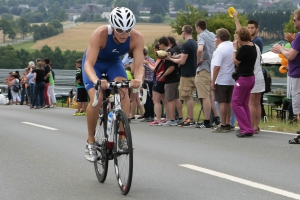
(34, 87)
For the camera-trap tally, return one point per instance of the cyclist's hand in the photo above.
(104, 84)
(135, 83)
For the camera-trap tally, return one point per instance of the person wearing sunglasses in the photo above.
(102, 56)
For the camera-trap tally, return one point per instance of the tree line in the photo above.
(22, 26)
(11, 58)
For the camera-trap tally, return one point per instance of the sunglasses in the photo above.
(120, 31)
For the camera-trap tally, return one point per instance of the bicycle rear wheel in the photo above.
(101, 164)
(123, 157)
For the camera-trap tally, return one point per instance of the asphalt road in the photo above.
(169, 162)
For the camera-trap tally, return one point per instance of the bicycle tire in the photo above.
(123, 160)
(101, 138)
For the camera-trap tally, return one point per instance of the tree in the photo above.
(12, 34)
(5, 27)
(56, 23)
(188, 17)
(285, 5)
(66, 5)
(41, 9)
(179, 4)
(156, 19)
(60, 15)
(24, 56)
(3, 9)
(289, 27)
(164, 4)
(222, 20)
(156, 8)
(12, 3)
(121, 3)
(16, 11)
(24, 26)
(7, 16)
(58, 59)
(9, 58)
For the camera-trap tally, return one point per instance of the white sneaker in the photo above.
(91, 152)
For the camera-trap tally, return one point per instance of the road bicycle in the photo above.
(109, 139)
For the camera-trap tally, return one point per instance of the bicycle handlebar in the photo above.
(118, 85)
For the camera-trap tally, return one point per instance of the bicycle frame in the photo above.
(115, 86)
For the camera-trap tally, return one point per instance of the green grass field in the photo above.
(24, 45)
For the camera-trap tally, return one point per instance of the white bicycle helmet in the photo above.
(122, 18)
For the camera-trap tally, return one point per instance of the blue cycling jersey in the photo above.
(112, 50)
(108, 61)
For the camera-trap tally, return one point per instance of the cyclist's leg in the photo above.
(92, 112)
(118, 73)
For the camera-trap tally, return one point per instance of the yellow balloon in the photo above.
(231, 10)
(284, 61)
(282, 69)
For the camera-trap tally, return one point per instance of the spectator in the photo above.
(205, 51)
(174, 45)
(134, 97)
(126, 59)
(158, 91)
(24, 85)
(171, 83)
(293, 57)
(39, 75)
(222, 82)
(15, 83)
(46, 79)
(244, 59)
(51, 88)
(81, 93)
(187, 61)
(256, 96)
(31, 83)
(7, 82)
(177, 51)
(148, 78)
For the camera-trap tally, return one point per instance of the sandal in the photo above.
(295, 140)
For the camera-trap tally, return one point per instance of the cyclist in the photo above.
(107, 44)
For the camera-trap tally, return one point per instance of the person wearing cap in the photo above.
(107, 44)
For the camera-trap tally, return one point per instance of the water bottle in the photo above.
(110, 122)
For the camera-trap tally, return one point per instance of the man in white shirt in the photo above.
(222, 83)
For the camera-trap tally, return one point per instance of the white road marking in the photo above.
(283, 133)
(243, 181)
(41, 126)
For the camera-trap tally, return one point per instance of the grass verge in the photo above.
(24, 45)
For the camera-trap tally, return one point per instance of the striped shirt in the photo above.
(148, 71)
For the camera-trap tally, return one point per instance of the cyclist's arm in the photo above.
(137, 46)
(97, 41)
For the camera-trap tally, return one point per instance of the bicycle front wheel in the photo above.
(123, 153)
(101, 164)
